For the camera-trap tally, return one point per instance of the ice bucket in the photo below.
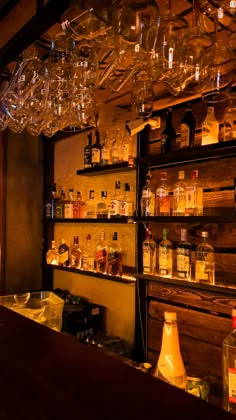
(43, 307)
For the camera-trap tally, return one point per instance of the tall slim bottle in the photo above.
(165, 255)
(179, 195)
(229, 368)
(148, 198)
(162, 197)
(183, 256)
(210, 128)
(88, 152)
(96, 150)
(149, 254)
(168, 135)
(205, 261)
(101, 255)
(187, 128)
(170, 366)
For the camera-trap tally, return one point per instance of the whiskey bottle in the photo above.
(229, 368)
(179, 195)
(60, 206)
(75, 254)
(162, 207)
(50, 205)
(168, 135)
(170, 367)
(96, 150)
(183, 257)
(165, 255)
(88, 152)
(148, 198)
(149, 254)
(205, 261)
(52, 256)
(101, 255)
(63, 252)
(210, 128)
(101, 208)
(68, 212)
(115, 257)
(88, 255)
(194, 196)
(187, 128)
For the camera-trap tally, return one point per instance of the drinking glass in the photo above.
(142, 94)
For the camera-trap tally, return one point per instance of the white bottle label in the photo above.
(184, 135)
(183, 264)
(165, 261)
(210, 132)
(68, 211)
(96, 153)
(232, 385)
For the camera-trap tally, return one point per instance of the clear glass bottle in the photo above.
(52, 256)
(162, 207)
(210, 128)
(127, 204)
(76, 206)
(170, 367)
(115, 257)
(88, 152)
(168, 135)
(165, 255)
(194, 196)
(60, 206)
(96, 150)
(101, 255)
(187, 128)
(101, 208)
(229, 368)
(205, 261)
(179, 195)
(149, 254)
(88, 255)
(115, 201)
(183, 256)
(63, 251)
(76, 254)
(148, 198)
(68, 212)
(230, 119)
(90, 211)
(106, 150)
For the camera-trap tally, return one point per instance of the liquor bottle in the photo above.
(126, 204)
(205, 262)
(148, 198)
(183, 256)
(52, 256)
(76, 206)
(179, 195)
(75, 254)
(96, 150)
(82, 205)
(51, 202)
(101, 208)
(170, 367)
(162, 207)
(149, 254)
(165, 255)
(88, 255)
(210, 128)
(168, 135)
(101, 255)
(194, 196)
(106, 150)
(63, 252)
(68, 212)
(115, 201)
(114, 257)
(88, 152)
(229, 368)
(230, 120)
(60, 206)
(90, 208)
(187, 128)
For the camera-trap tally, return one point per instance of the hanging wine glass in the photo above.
(224, 10)
(197, 55)
(142, 94)
(166, 49)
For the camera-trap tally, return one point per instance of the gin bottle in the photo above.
(229, 368)
(52, 256)
(170, 367)
(183, 256)
(165, 255)
(205, 261)
(162, 197)
(210, 127)
(179, 195)
(149, 254)
(148, 198)
(75, 254)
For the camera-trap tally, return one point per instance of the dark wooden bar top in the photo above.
(49, 375)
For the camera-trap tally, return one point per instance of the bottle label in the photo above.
(63, 257)
(101, 255)
(183, 263)
(148, 205)
(162, 202)
(190, 200)
(165, 261)
(96, 154)
(201, 271)
(179, 201)
(68, 211)
(210, 132)
(87, 158)
(115, 207)
(147, 259)
(105, 156)
(184, 135)
(232, 385)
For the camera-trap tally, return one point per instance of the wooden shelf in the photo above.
(187, 219)
(121, 220)
(126, 278)
(106, 169)
(197, 154)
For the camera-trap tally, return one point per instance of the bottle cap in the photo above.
(204, 234)
(170, 316)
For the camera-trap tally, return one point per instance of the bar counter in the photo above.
(49, 375)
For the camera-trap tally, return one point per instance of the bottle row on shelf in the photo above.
(196, 266)
(117, 147)
(185, 199)
(212, 130)
(119, 204)
(105, 257)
